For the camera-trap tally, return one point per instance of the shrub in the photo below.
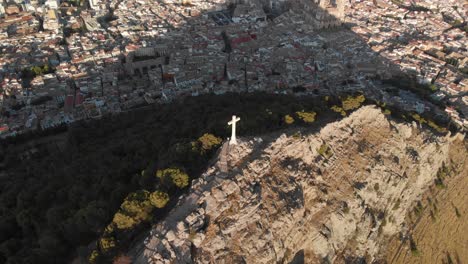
(345, 208)
(288, 119)
(351, 103)
(439, 183)
(433, 87)
(418, 118)
(414, 250)
(107, 243)
(384, 222)
(418, 209)
(37, 71)
(450, 260)
(325, 151)
(297, 135)
(93, 257)
(307, 117)
(441, 174)
(436, 127)
(159, 199)
(338, 109)
(457, 213)
(109, 229)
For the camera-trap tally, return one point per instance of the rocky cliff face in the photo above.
(336, 195)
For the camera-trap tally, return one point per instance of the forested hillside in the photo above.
(55, 204)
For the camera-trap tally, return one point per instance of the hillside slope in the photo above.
(338, 195)
(439, 232)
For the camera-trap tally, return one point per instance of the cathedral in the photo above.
(324, 13)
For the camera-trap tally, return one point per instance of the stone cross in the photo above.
(232, 123)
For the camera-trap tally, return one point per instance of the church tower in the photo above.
(327, 13)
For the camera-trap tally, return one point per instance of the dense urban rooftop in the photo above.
(62, 61)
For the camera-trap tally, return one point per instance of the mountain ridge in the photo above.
(331, 196)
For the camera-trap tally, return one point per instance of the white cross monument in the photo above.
(232, 123)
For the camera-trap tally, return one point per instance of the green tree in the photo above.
(37, 70)
(288, 119)
(338, 109)
(181, 180)
(137, 206)
(107, 243)
(209, 141)
(178, 177)
(93, 257)
(135, 209)
(351, 103)
(307, 117)
(159, 199)
(123, 221)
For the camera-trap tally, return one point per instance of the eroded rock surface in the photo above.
(331, 196)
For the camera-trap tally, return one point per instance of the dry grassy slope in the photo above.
(440, 233)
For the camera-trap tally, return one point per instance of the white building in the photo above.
(95, 4)
(2, 10)
(51, 20)
(53, 4)
(27, 6)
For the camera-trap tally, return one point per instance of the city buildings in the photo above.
(87, 63)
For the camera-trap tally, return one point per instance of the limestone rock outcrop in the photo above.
(329, 196)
